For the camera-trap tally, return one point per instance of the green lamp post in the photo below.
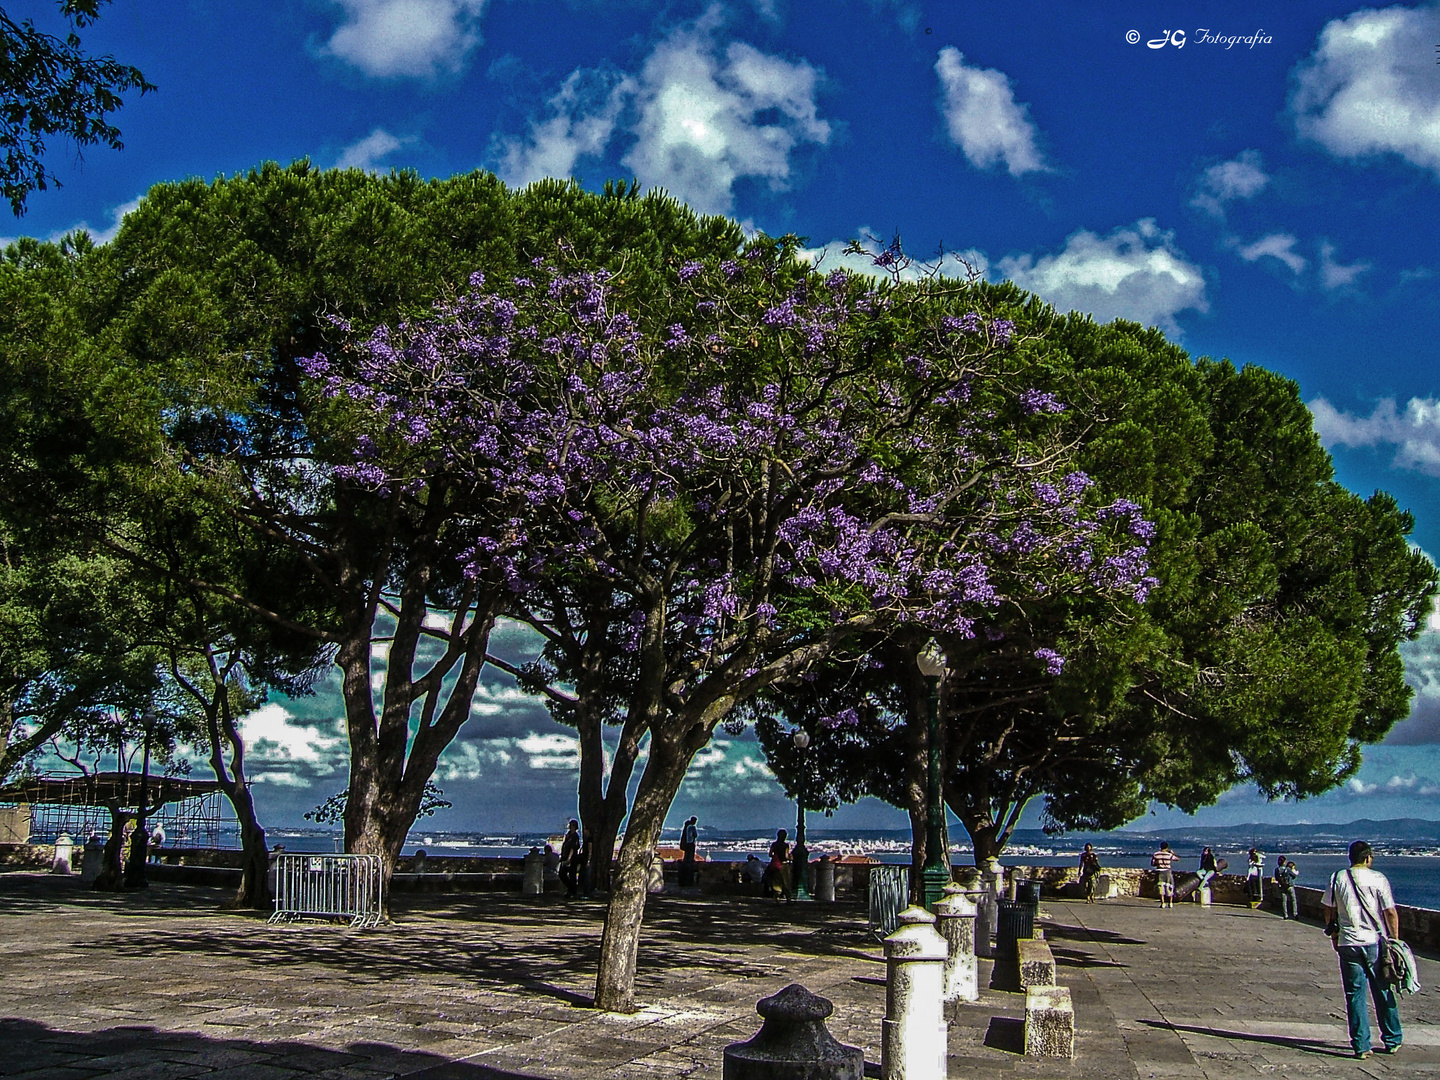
(935, 875)
(800, 856)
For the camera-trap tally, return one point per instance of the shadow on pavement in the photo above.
(1076, 958)
(1308, 1046)
(32, 1047)
(712, 934)
(1006, 1033)
(1081, 933)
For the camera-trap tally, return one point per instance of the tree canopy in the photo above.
(1266, 652)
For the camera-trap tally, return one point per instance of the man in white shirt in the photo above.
(1357, 900)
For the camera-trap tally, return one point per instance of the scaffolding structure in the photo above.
(193, 813)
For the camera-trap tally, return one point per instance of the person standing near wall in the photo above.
(1354, 904)
(1255, 878)
(1285, 875)
(777, 872)
(1164, 863)
(570, 849)
(1089, 871)
(689, 835)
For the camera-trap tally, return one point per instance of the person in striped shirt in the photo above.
(1164, 863)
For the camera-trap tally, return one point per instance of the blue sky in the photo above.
(1258, 179)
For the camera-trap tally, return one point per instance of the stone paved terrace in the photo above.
(162, 985)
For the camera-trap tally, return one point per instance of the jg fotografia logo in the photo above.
(1203, 36)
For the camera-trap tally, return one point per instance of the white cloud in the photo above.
(1415, 434)
(833, 256)
(585, 111)
(706, 120)
(470, 760)
(1136, 273)
(397, 38)
(550, 751)
(1360, 787)
(369, 152)
(1243, 178)
(702, 118)
(274, 739)
(99, 236)
(1334, 275)
(1279, 246)
(282, 779)
(751, 767)
(982, 117)
(1370, 86)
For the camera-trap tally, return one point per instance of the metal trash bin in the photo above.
(1015, 920)
(1028, 892)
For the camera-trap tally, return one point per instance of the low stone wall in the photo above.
(27, 856)
(1063, 882)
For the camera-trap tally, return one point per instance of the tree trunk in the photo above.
(613, 807)
(112, 873)
(620, 944)
(254, 891)
(985, 838)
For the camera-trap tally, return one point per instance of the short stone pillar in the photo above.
(825, 880)
(793, 1043)
(987, 914)
(533, 883)
(914, 1033)
(420, 861)
(994, 874)
(64, 853)
(955, 919)
(91, 859)
(1202, 895)
(655, 876)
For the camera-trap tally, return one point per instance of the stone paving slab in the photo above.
(489, 987)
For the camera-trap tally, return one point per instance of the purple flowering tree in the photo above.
(732, 470)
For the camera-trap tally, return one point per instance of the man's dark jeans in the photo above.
(1357, 968)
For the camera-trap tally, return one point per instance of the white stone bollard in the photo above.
(655, 876)
(914, 1034)
(1202, 896)
(955, 918)
(64, 853)
(91, 859)
(533, 883)
(825, 880)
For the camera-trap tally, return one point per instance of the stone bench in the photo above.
(1037, 963)
(1049, 1022)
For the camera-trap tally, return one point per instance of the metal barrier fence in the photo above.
(329, 886)
(889, 893)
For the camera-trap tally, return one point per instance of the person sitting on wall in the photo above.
(753, 872)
